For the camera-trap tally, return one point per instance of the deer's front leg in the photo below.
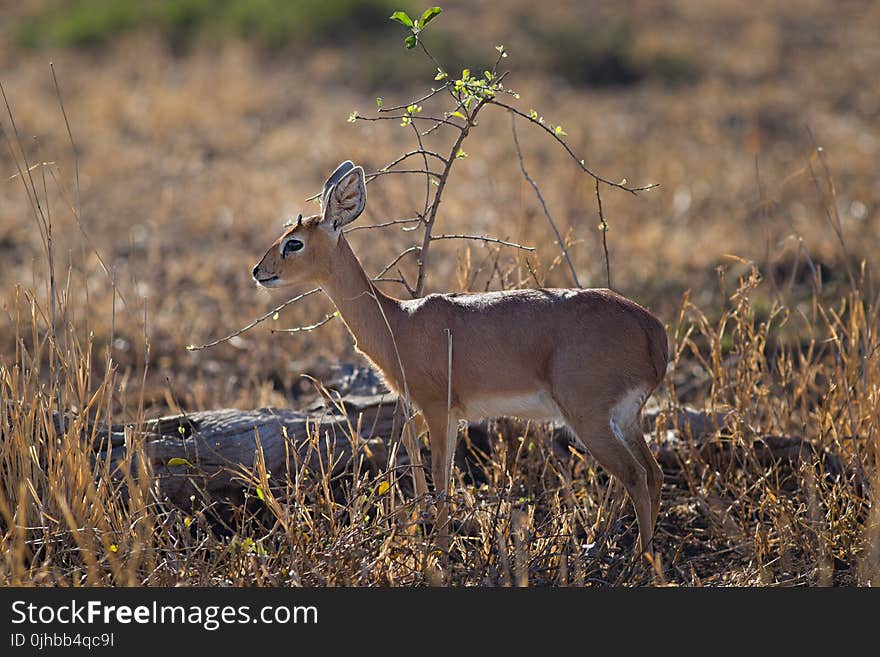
(443, 433)
(410, 437)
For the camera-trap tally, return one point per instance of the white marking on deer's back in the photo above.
(482, 300)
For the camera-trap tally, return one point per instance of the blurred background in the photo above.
(202, 125)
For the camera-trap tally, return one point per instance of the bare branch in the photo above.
(483, 238)
(427, 169)
(394, 222)
(580, 162)
(434, 127)
(33, 167)
(259, 319)
(309, 327)
(422, 172)
(435, 205)
(603, 228)
(412, 153)
(397, 259)
(370, 177)
(406, 283)
(431, 57)
(400, 280)
(533, 274)
(433, 93)
(413, 117)
(534, 185)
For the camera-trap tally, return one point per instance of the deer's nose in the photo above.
(255, 270)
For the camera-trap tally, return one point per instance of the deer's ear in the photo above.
(345, 200)
(334, 178)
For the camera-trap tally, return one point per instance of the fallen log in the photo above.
(210, 454)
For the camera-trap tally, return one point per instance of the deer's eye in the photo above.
(290, 246)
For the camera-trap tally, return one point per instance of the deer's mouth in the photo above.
(271, 281)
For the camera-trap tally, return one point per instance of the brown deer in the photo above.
(587, 357)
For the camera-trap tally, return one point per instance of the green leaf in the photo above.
(428, 16)
(261, 494)
(460, 155)
(410, 42)
(379, 102)
(353, 117)
(458, 114)
(533, 115)
(383, 487)
(559, 131)
(178, 461)
(402, 17)
(441, 74)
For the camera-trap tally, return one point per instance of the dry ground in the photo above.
(189, 162)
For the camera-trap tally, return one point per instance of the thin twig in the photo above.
(532, 272)
(397, 259)
(413, 117)
(82, 229)
(70, 137)
(418, 151)
(603, 228)
(830, 206)
(580, 162)
(483, 238)
(35, 199)
(427, 170)
(422, 172)
(534, 185)
(262, 318)
(435, 205)
(406, 284)
(393, 222)
(309, 327)
(33, 167)
(431, 57)
(433, 93)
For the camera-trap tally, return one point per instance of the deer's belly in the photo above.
(537, 405)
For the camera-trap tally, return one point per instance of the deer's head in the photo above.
(304, 253)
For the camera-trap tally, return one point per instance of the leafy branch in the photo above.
(452, 105)
(456, 103)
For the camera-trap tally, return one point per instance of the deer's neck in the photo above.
(371, 316)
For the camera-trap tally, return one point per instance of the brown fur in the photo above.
(584, 350)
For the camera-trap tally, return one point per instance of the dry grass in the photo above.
(181, 158)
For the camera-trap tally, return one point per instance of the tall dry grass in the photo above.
(186, 165)
(779, 362)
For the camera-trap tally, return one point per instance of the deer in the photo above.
(588, 358)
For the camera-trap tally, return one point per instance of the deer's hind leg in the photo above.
(626, 424)
(596, 430)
